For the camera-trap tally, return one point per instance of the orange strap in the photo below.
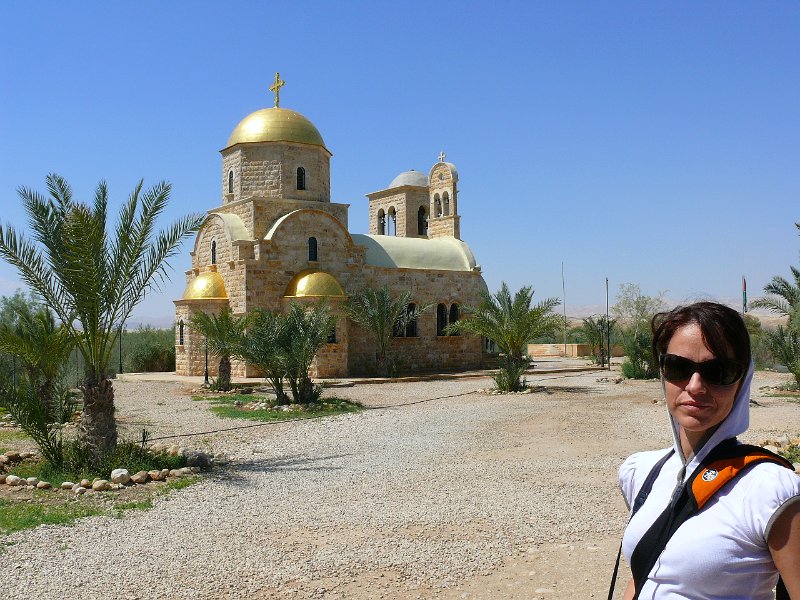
(709, 481)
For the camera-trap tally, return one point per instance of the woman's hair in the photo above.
(723, 329)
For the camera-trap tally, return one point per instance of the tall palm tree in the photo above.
(223, 333)
(93, 280)
(510, 322)
(381, 314)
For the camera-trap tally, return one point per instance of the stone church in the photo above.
(277, 238)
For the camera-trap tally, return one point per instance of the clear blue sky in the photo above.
(647, 142)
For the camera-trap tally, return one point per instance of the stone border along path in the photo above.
(477, 496)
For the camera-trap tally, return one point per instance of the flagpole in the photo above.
(744, 295)
(564, 295)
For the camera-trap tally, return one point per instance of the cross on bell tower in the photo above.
(276, 88)
(442, 156)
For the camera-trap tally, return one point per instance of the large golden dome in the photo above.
(206, 286)
(275, 125)
(313, 284)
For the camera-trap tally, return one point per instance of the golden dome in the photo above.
(275, 125)
(313, 284)
(208, 285)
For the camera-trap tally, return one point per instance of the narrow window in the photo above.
(230, 181)
(392, 222)
(411, 325)
(301, 178)
(312, 248)
(381, 223)
(446, 198)
(422, 221)
(453, 315)
(441, 319)
(214, 252)
(332, 336)
(180, 332)
(437, 206)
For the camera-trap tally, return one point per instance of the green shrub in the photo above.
(639, 362)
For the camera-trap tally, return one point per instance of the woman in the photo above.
(749, 531)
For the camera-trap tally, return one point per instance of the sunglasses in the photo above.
(717, 371)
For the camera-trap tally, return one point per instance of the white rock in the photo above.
(101, 485)
(13, 480)
(120, 476)
(32, 481)
(79, 490)
(43, 485)
(67, 485)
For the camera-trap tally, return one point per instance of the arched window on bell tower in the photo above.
(230, 181)
(381, 222)
(301, 178)
(437, 206)
(446, 202)
(422, 221)
(213, 252)
(392, 221)
(312, 248)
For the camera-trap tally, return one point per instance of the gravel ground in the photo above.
(468, 496)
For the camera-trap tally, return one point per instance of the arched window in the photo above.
(411, 325)
(392, 221)
(453, 315)
(312, 248)
(213, 252)
(332, 336)
(422, 221)
(441, 319)
(301, 178)
(180, 332)
(446, 199)
(230, 181)
(381, 222)
(437, 206)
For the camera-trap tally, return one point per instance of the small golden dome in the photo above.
(313, 284)
(275, 125)
(208, 285)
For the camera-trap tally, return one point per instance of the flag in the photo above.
(744, 293)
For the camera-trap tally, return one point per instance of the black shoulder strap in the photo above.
(644, 491)
(725, 462)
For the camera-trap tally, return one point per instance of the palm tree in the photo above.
(93, 280)
(306, 332)
(381, 315)
(263, 346)
(42, 346)
(510, 323)
(223, 335)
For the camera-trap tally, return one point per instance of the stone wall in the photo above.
(406, 201)
(445, 227)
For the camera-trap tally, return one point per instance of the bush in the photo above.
(149, 350)
(639, 362)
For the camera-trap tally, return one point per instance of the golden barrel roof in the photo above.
(314, 284)
(276, 125)
(206, 286)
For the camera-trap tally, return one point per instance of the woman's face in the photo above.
(697, 406)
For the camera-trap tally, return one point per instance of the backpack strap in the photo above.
(724, 463)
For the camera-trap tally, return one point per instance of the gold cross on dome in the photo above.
(442, 156)
(276, 87)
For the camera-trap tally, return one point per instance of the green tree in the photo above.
(305, 333)
(597, 330)
(263, 346)
(510, 322)
(381, 315)
(783, 298)
(223, 334)
(43, 347)
(635, 311)
(92, 279)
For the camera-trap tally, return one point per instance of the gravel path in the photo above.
(472, 496)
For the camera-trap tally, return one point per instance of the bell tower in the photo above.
(444, 220)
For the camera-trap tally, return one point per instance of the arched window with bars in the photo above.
(230, 181)
(392, 221)
(381, 222)
(213, 252)
(441, 319)
(446, 202)
(301, 178)
(437, 206)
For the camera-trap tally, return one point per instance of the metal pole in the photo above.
(564, 303)
(206, 381)
(14, 372)
(120, 349)
(608, 328)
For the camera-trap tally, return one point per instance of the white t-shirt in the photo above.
(721, 552)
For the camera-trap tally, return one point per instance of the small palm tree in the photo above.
(92, 280)
(381, 315)
(306, 332)
(223, 333)
(263, 346)
(42, 346)
(510, 322)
